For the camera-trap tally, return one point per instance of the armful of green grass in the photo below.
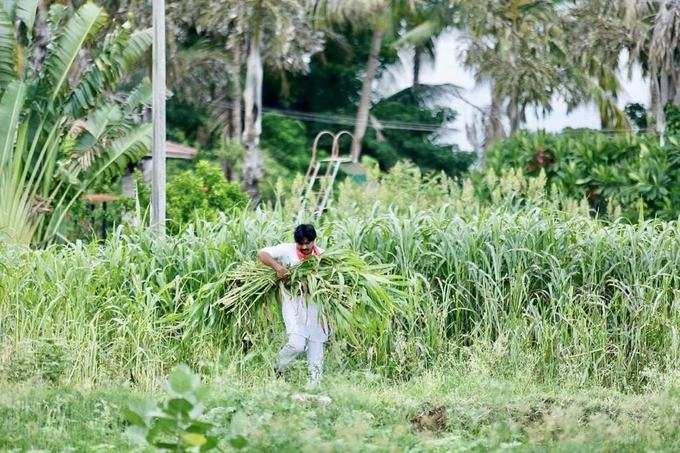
(343, 284)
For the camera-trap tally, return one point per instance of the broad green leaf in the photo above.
(199, 427)
(7, 50)
(11, 106)
(238, 442)
(25, 11)
(121, 52)
(211, 443)
(202, 393)
(85, 23)
(133, 417)
(99, 120)
(10, 6)
(138, 45)
(179, 406)
(194, 439)
(162, 425)
(140, 96)
(145, 409)
(182, 380)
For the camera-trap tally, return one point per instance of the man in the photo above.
(304, 327)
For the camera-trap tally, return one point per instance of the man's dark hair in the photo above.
(303, 232)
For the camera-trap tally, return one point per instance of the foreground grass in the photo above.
(440, 411)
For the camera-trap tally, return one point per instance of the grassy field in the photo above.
(527, 324)
(443, 410)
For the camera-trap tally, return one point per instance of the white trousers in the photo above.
(302, 318)
(297, 344)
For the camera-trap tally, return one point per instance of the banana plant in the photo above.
(64, 126)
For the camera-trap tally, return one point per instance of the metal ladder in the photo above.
(319, 181)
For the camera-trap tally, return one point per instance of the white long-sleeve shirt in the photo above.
(301, 318)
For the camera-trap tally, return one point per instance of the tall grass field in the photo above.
(526, 324)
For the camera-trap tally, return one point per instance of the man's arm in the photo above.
(268, 260)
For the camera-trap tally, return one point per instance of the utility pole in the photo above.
(158, 106)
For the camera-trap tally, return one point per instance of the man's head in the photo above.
(305, 235)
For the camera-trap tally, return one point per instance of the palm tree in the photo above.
(531, 50)
(649, 31)
(288, 45)
(515, 46)
(654, 41)
(253, 164)
(375, 15)
(596, 37)
(256, 33)
(424, 23)
(59, 129)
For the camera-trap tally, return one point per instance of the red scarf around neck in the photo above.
(301, 256)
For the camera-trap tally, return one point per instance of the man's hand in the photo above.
(282, 272)
(266, 259)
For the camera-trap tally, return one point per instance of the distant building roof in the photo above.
(177, 151)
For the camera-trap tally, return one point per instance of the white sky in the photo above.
(448, 68)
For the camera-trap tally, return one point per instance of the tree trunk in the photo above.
(494, 126)
(236, 45)
(472, 132)
(513, 115)
(252, 128)
(236, 121)
(228, 170)
(365, 100)
(234, 128)
(661, 85)
(417, 60)
(674, 87)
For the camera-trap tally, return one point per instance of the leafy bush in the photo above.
(672, 119)
(201, 194)
(414, 105)
(177, 424)
(62, 123)
(96, 220)
(632, 172)
(285, 140)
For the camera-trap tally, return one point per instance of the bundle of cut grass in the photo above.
(341, 282)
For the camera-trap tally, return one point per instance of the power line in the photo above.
(351, 121)
(345, 120)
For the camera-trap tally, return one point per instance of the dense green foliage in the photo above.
(333, 83)
(87, 221)
(673, 120)
(630, 173)
(516, 276)
(637, 114)
(201, 193)
(287, 143)
(421, 148)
